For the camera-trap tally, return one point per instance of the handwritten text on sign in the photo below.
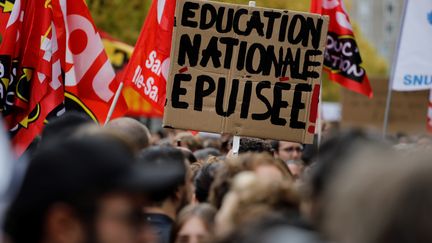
(245, 71)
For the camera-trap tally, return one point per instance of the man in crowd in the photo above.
(164, 177)
(136, 133)
(291, 153)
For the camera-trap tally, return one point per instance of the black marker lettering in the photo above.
(177, 90)
(298, 105)
(200, 92)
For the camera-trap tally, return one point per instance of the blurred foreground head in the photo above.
(383, 199)
(134, 131)
(334, 156)
(64, 192)
(64, 126)
(273, 228)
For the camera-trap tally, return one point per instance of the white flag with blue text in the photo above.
(413, 64)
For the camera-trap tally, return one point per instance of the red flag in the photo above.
(119, 54)
(342, 56)
(31, 79)
(90, 82)
(148, 68)
(6, 7)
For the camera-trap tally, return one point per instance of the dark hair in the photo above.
(204, 180)
(158, 172)
(64, 126)
(275, 145)
(188, 155)
(255, 145)
(76, 172)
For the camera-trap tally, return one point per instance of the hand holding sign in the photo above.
(244, 70)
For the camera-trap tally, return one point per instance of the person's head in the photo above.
(204, 179)
(65, 194)
(64, 126)
(254, 145)
(252, 197)
(163, 175)
(133, 130)
(336, 153)
(204, 154)
(194, 224)
(381, 199)
(264, 165)
(187, 140)
(273, 228)
(287, 151)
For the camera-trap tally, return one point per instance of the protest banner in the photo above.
(412, 68)
(245, 71)
(342, 58)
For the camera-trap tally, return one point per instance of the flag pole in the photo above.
(320, 113)
(390, 83)
(114, 103)
(236, 139)
(387, 109)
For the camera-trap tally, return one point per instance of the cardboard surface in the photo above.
(407, 113)
(245, 71)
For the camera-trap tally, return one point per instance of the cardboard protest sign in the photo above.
(245, 71)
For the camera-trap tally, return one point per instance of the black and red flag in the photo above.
(342, 56)
(31, 77)
(52, 58)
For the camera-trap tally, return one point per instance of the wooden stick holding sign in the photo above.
(245, 71)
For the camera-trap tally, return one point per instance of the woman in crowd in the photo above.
(194, 224)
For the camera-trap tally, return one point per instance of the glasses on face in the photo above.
(298, 149)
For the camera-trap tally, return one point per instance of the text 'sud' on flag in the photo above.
(90, 80)
(31, 80)
(148, 68)
(342, 56)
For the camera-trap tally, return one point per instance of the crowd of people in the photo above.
(121, 184)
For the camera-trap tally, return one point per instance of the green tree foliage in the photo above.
(123, 19)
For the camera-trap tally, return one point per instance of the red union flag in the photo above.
(342, 56)
(148, 68)
(31, 80)
(90, 80)
(6, 7)
(119, 54)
